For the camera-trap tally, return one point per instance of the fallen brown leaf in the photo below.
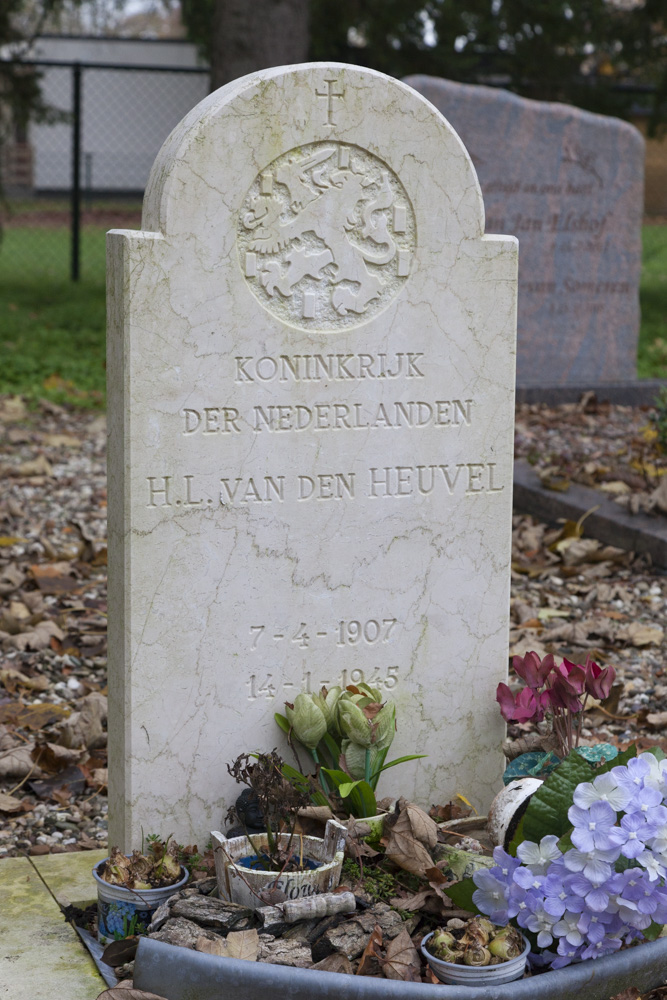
(658, 497)
(11, 679)
(61, 441)
(17, 762)
(52, 758)
(334, 963)
(9, 804)
(243, 944)
(85, 728)
(212, 947)
(54, 578)
(39, 466)
(368, 963)
(34, 717)
(12, 409)
(11, 578)
(401, 959)
(119, 952)
(641, 635)
(407, 839)
(36, 639)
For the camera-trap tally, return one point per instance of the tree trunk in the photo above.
(253, 34)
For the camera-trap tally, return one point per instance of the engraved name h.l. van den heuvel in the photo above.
(326, 235)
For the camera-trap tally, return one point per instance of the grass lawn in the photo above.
(652, 352)
(52, 330)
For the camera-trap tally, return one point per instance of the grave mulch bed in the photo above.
(612, 449)
(572, 594)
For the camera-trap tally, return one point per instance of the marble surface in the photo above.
(569, 184)
(311, 375)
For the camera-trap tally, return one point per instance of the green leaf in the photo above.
(333, 748)
(358, 795)
(399, 760)
(652, 931)
(282, 722)
(547, 809)
(346, 788)
(565, 843)
(657, 752)
(293, 775)
(460, 894)
(623, 863)
(336, 776)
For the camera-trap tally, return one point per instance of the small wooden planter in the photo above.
(241, 884)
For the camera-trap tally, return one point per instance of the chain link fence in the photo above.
(67, 181)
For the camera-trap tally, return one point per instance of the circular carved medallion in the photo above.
(326, 236)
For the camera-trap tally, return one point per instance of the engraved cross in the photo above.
(330, 96)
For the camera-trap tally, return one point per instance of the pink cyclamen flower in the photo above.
(520, 709)
(599, 679)
(573, 676)
(561, 696)
(532, 670)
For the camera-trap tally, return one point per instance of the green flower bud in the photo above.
(385, 721)
(327, 701)
(307, 720)
(355, 759)
(373, 694)
(354, 724)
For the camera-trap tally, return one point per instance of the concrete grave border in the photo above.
(609, 523)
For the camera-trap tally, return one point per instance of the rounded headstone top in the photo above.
(293, 145)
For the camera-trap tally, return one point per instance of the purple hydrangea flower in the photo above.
(567, 953)
(636, 830)
(538, 857)
(594, 892)
(595, 925)
(541, 923)
(490, 896)
(607, 946)
(505, 862)
(594, 864)
(631, 775)
(594, 828)
(644, 800)
(653, 865)
(520, 901)
(526, 878)
(604, 788)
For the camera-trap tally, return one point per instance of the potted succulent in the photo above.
(278, 863)
(131, 887)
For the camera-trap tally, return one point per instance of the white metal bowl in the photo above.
(475, 975)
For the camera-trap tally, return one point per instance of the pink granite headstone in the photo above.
(569, 185)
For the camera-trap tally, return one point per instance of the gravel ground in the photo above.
(571, 595)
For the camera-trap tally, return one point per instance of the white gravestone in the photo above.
(311, 374)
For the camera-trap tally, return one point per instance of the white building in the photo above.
(126, 113)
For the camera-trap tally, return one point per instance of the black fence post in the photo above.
(76, 170)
